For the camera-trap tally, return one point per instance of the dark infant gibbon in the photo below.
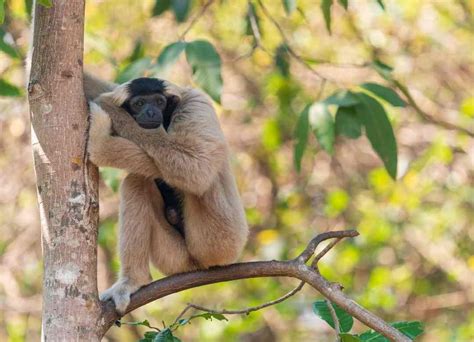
(179, 206)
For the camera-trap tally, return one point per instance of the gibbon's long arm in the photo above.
(107, 150)
(188, 156)
(93, 86)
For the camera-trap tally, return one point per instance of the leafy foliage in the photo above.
(46, 3)
(326, 9)
(180, 8)
(410, 329)
(8, 89)
(322, 310)
(2, 11)
(206, 65)
(290, 6)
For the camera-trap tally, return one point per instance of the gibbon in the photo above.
(179, 208)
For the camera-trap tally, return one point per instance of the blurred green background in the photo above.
(414, 259)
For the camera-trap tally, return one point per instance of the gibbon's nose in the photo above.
(150, 113)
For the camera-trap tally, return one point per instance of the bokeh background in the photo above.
(414, 259)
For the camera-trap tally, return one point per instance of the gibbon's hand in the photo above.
(99, 132)
(120, 293)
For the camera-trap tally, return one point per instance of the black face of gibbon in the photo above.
(148, 104)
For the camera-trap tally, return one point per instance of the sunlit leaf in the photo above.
(271, 137)
(409, 329)
(344, 3)
(206, 65)
(181, 9)
(379, 131)
(134, 70)
(5, 46)
(144, 323)
(384, 93)
(347, 122)
(343, 98)
(161, 6)
(320, 308)
(322, 124)
(210, 315)
(2, 11)
(46, 3)
(326, 9)
(170, 54)
(467, 107)
(301, 136)
(8, 89)
(349, 338)
(290, 6)
(282, 60)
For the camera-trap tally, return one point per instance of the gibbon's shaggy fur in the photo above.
(191, 156)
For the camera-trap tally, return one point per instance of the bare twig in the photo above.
(324, 251)
(426, 116)
(337, 326)
(198, 16)
(292, 52)
(295, 268)
(247, 311)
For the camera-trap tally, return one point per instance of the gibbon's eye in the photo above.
(139, 103)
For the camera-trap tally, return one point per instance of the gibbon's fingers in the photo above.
(120, 294)
(107, 150)
(101, 124)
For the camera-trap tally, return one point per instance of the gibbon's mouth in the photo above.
(150, 125)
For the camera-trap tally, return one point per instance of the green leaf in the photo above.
(384, 93)
(381, 4)
(410, 329)
(165, 335)
(181, 9)
(28, 7)
(349, 338)
(342, 98)
(170, 54)
(282, 60)
(323, 126)
(210, 315)
(301, 135)
(383, 69)
(344, 3)
(326, 9)
(134, 70)
(161, 6)
(138, 51)
(379, 131)
(2, 11)
(46, 3)
(150, 334)
(4, 45)
(206, 65)
(320, 308)
(144, 323)
(290, 6)
(347, 122)
(8, 89)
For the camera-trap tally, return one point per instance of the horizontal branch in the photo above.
(296, 268)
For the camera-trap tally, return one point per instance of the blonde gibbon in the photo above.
(179, 208)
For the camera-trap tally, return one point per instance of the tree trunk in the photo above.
(67, 183)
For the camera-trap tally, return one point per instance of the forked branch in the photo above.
(296, 268)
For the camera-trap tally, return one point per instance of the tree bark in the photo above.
(66, 182)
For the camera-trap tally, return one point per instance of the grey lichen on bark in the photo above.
(66, 182)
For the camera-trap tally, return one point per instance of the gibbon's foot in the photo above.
(120, 294)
